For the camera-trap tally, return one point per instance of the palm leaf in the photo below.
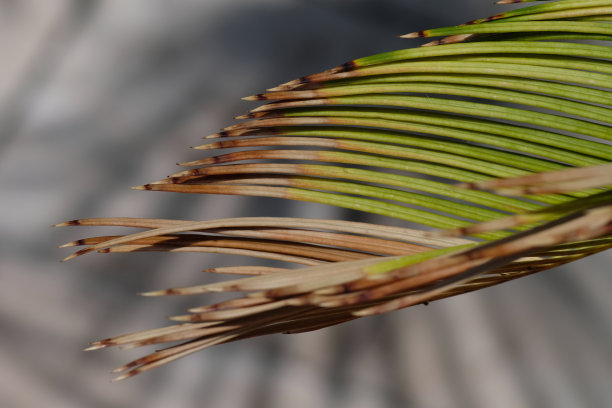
(499, 133)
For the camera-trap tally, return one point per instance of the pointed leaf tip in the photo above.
(95, 346)
(69, 244)
(182, 318)
(256, 97)
(216, 135)
(123, 376)
(162, 292)
(415, 34)
(77, 254)
(363, 313)
(70, 223)
(69, 257)
(279, 88)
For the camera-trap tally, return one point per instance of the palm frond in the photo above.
(499, 132)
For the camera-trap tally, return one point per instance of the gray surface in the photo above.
(97, 96)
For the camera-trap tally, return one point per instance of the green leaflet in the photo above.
(516, 27)
(499, 47)
(379, 116)
(586, 111)
(544, 8)
(595, 96)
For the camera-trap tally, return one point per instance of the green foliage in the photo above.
(438, 135)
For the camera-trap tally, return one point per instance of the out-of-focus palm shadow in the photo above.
(117, 99)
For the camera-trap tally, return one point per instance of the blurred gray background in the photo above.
(100, 95)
